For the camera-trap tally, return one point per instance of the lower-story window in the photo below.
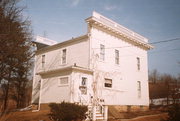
(63, 81)
(139, 89)
(83, 86)
(108, 83)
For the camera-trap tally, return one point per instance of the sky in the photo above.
(157, 20)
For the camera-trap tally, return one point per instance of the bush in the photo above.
(67, 111)
(174, 113)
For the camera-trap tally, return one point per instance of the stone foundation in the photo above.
(44, 106)
(131, 108)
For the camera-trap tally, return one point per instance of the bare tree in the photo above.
(15, 52)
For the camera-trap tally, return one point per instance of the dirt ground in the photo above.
(26, 116)
(155, 117)
(43, 116)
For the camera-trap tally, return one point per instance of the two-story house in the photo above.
(105, 67)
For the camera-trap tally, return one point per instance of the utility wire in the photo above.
(163, 41)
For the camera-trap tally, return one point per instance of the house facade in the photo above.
(105, 67)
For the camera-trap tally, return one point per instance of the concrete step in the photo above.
(99, 117)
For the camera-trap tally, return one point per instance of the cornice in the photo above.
(67, 68)
(111, 26)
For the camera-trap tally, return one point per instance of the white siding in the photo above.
(75, 53)
(125, 75)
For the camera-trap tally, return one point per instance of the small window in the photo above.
(117, 57)
(108, 83)
(139, 88)
(102, 52)
(64, 56)
(138, 63)
(63, 81)
(43, 61)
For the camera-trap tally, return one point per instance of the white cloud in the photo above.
(110, 7)
(75, 2)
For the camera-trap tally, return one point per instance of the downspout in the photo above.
(39, 104)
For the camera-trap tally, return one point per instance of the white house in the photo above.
(105, 67)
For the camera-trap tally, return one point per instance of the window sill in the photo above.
(111, 89)
(65, 85)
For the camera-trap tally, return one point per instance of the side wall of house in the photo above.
(78, 95)
(76, 52)
(52, 90)
(125, 76)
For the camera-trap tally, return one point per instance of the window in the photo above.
(139, 89)
(108, 83)
(64, 56)
(43, 61)
(117, 57)
(84, 81)
(83, 86)
(138, 63)
(102, 52)
(63, 81)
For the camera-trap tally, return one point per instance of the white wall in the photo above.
(77, 52)
(125, 75)
(52, 91)
(76, 82)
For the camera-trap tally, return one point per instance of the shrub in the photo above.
(67, 111)
(173, 113)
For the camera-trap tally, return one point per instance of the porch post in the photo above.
(105, 112)
(94, 113)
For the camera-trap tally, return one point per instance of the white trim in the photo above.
(62, 85)
(62, 56)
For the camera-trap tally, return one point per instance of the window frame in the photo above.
(106, 85)
(83, 87)
(64, 56)
(116, 57)
(138, 63)
(139, 88)
(102, 52)
(43, 57)
(59, 81)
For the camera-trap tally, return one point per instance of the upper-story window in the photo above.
(102, 52)
(64, 56)
(43, 61)
(138, 63)
(117, 57)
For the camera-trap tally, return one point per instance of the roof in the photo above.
(67, 68)
(67, 42)
(103, 22)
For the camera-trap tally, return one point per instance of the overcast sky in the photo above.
(157, 20)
